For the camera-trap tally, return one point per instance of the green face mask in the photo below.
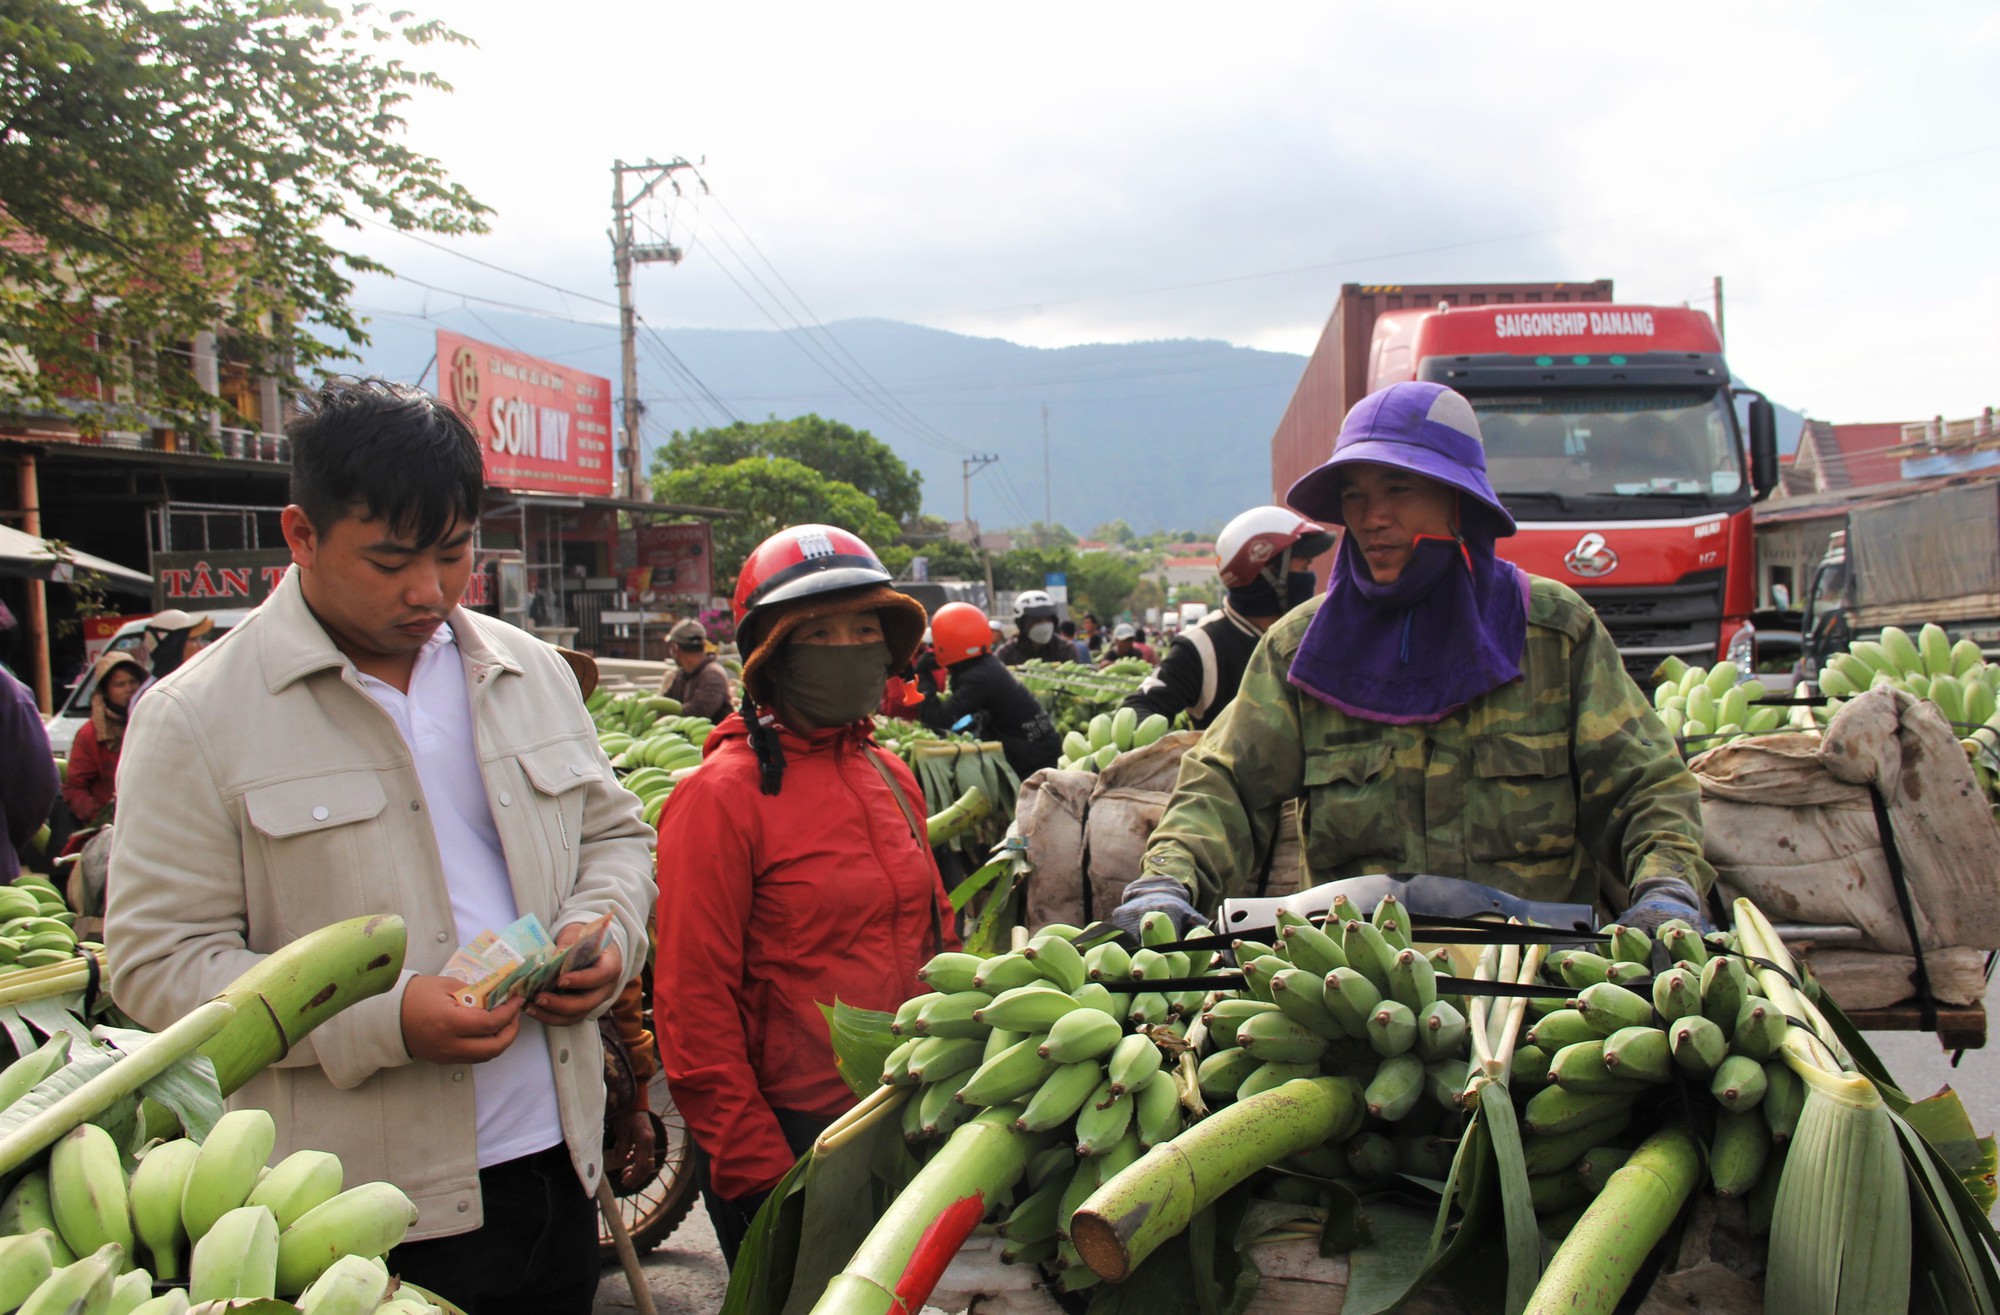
(833, 684)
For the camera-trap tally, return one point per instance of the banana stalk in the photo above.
(295, 989)
(1126, 1219)
(119, 1082)
(56, 979)
(1605, 1248)
(961, 819)
(909, 1247)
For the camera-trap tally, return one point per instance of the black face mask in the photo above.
(833, 684)
(1260, 598)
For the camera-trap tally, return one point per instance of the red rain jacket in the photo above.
(771, 905)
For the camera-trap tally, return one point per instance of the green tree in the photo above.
(1115, 532)
(951, 560)
(1040, 535)
(1029, 568)
(1102, 583)
(1147, 593)
(836, 451)
(171, 169)
(773, 492)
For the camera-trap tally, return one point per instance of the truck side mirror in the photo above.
(1763, 445)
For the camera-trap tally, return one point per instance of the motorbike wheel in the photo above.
(655, 1210)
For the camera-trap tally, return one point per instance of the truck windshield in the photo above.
(1610, 444)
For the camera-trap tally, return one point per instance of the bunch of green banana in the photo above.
(209, 1212)
(37, 929)
(1108, 735)
(631, 715)
(1706, 706)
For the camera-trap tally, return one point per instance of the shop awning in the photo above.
(25, 556)
(507, 499)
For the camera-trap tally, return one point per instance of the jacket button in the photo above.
(576, 769)
(416, 805)
(320, 813)
(562, 1056)
(458, 1075)
(463, 1206)
(590, 1170)
(440, 938)
(506, 799)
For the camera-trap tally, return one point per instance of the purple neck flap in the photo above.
(1419, 649)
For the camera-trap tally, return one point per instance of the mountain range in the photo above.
(1163, 435)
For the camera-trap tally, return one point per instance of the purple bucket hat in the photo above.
(1422, 427)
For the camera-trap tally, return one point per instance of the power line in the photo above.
(487, 264)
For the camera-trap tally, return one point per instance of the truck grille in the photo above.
(1648, 624)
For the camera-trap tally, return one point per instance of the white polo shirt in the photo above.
(516, 1091)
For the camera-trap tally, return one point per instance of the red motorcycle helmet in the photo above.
(960, 631)
(808, 571)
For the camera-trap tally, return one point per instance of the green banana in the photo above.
(1393, 1091)
(1760, 1028)
(350, 1286)
(1530, 1066)
(1934, 647)
(1265, 1077)
(939, 1111)
(368, 1220)
(1444, 1079)
(999, 1039)
(1641, 1053)
(1552, 1193)
(1033, 1217)
(1440, 1031)
(1150, 965)
(1301, 994)
(21, 1076)
(1134, 1060)
(1056, 960)
(1371, 1155)
(1393, 921)
(1079, 1035)
(26, 1209)
(1564, 1027)
(1581, 1068)
(934, 1059)
(1698, 1045)
(1550, 1153)
(1026, 1008)
(296, 1184)
(1392, 1028)
(1599, 1163)
(1676, 994)
(1108, 961)
(1413, 981)
(1275, 1037)
(1150, 730)
(1313, 950)
(1554, 1110)
(1149, 1009)
(25, 1263)
(1232, 1011)
(1724, 983)
(896, 1064)
(905, 1021)
(1367, 951)
(1156, 1110)
(1629, 944)
(1784, 1100)
(1351, 998)
(1157, 929)
(87, 1191)
(1221, 1073)
(237, 1256)
(1684, 943)
(952, 1015)
(1738, 1084)
(1052, 1164)
(175, 1302)
(1581, 968)
(1061, 1096)
(1258, 973)
(1608, 1007)
(1007, 1076)
(1737, 1155)
(80, 1288)
(949, 971)
(1102, 1121)
(1004, 972)
(1901, 651)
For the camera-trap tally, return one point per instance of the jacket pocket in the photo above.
(1352, 822)
(1523, 804)
(321, 833)
(558, 774)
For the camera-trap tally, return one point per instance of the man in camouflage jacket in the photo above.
(1542, 788)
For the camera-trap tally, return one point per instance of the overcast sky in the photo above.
(1066, 173)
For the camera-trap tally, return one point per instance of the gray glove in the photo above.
(1663, 899)
(1154, 893)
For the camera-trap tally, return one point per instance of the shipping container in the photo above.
(1336, 375)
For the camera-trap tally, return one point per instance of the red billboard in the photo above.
(544, 427)
(674, 560)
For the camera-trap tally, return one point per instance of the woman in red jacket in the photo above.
(91, 781)
(794, 868)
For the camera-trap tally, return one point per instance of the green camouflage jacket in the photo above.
(1543, 787)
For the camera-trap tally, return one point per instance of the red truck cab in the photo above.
(1612, 435)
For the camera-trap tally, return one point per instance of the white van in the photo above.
(131, 638)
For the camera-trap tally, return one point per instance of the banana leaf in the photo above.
(861, 1042)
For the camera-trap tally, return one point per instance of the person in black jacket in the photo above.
(1262, 557)
(999, 707)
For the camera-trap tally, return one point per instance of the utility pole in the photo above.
(626, 253)
(1719, 337)
(971, 466)
(1048, 488)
